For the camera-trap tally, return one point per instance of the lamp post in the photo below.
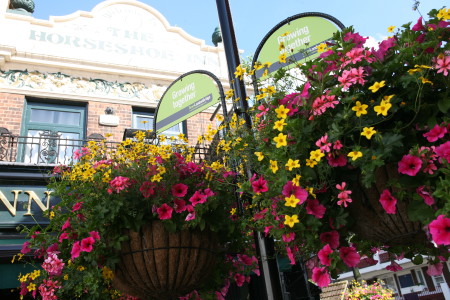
(264, 246)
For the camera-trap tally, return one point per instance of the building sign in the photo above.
(190, 94)
(126, 33)
(24, 205)
(297, 38)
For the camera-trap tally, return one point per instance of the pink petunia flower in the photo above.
(443, 151)
(313, 207)
(147, 189)
(118, 184)
(53, 265)
(179, 205)
(66, 225)
(198, 198)
(323, 255)
(388, 202)
(349, 256)
(239, 279)
(179, 190)
(418, 26)
(288, 237)
(95, 235)
(440, 230)
(321, 277)
(75, 250)
(191, 214)
(409, 165)
(435, 269)
(86, 244)
(77, 206)
(164, 212)
(442, 64)
(331, 238)
(291, 189)
(426, 195)
(437, 132)
(260, 185)
(290, 255)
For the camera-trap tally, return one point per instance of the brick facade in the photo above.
(11, 110)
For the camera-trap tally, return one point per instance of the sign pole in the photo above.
(264, 246)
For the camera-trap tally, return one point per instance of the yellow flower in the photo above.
(260, 96)
(156, 178)
(322, 47)
(311, 163)
(368, 132)
(290, 220)
(258, 65)
(31, 287)
(269, 90)
(107, 273)
(281, 140)
(391, 28)
(279, 125)
(291, 164)
(51, 215)
(355, 155)
(81, 268)
(443, 14)
(259, 155)
(273, 166)
(382, 108)
(229, 94)
(281, 112)
(376, 86)
(66, 277)
(296, 180)
(282, 58)
(233, 211)
(388, 98)
(425, 80)
(316, 155)
(360, 109)
(291, 201)
(239, 72)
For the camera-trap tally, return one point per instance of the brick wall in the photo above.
(198, 125)
(95, 109)
(11, 110)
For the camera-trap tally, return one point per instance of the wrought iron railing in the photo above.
(50, 148)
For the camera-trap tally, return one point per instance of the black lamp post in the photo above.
(264, 246)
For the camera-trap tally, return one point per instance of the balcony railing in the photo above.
(50, 148)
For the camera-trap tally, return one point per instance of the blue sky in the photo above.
(254, 18)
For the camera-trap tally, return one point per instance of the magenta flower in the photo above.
(426, 196)
(75, 250)
(443, 151)
(291, 189)
(179, 190)
(118, 184)
(147, 189)
(77, 206)
(288, 237)
(321, 277)
(25, 248)
(394, 267)
(290, 255)
(409, 165)
(164, 212)
(336, 161)
(435, 270)
(440, 230)
(323, 255)
(53, 265)
(198, 198)
(313, 207)
(418, 26)
(331, 238)
(239, 279)
(442, 64)
(179, 205)
(95, 235)
(349, 256)
(86, 244)
(437, 132)
(388, 202)
(260, 185)
(191, 214)
(63, 236)
(66, 225)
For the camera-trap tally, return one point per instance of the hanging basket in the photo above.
(371, 220)
(157, 264)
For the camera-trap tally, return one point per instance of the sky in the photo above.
(253, 19)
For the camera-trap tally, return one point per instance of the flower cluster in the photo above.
(364, 137)
(362, 290)
(109, 190)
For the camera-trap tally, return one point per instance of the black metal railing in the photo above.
(50, 148)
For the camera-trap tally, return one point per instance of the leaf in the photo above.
(419, 211)
(444, 104)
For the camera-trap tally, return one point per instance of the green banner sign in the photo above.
(190, 94)
(296, 38)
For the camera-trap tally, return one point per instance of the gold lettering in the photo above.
(33, 197)
(12, 209)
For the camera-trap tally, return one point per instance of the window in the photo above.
(438, 280)
(53, 132)
(144, 121)
(406, 280)
(389, 282)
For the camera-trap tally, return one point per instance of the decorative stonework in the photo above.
(61, 83)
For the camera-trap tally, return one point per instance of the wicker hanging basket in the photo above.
(371, 220)
(157, 264)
